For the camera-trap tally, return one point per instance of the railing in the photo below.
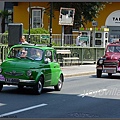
(3, 52)
(69, 39)
(86, 54)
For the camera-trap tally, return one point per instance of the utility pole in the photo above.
(51, 14)
(29, 21)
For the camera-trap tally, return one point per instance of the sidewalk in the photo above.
(86, 69)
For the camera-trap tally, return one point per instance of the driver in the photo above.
(23, 53)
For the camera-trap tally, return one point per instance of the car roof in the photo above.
(41, 46)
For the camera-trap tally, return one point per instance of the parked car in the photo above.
(110, 62)
(33, 66)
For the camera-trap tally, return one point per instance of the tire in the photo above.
(1, 86)
(38, 87)
(109, 74)
(99, 73)
(58, 87)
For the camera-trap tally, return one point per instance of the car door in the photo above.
(51, 68)
(47, 68)
(55, 69)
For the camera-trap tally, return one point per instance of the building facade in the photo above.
(108, 17)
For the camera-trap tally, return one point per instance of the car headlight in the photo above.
(29, 72)
(101, 61)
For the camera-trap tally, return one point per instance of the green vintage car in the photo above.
(32, 66)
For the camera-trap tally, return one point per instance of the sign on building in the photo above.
(94, 23)
(66, 16)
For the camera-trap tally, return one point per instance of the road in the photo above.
(81, 97)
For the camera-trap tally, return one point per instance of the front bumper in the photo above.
(108, 69)
(12, 81)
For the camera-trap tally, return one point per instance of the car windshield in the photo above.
(26, 52)
(113, 49)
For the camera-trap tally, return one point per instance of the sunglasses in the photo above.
(23, 52)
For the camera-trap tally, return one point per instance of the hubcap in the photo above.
(60, 84)
(39, 86)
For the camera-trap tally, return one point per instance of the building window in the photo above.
(37, 18)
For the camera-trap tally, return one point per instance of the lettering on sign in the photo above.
(116, 19)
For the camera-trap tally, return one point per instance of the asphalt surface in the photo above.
(79, 70)
(81, 97)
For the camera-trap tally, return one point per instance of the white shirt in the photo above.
(78, 41)
(25, 42)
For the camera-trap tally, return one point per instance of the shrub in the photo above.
(35, 38)
(36, 31)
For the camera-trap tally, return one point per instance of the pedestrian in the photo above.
(78, 43)
(23, 40)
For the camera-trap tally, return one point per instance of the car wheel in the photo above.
(99, 73)
(38, 87)
(58, 87)
(109, 74)
(1, 86)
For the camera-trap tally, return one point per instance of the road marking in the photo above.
(21, 110)
(90, 92)
(1, 104)
(9, 86)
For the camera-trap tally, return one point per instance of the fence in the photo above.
(69, 39)
(86, 54)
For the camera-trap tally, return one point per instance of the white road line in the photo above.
(91, 92)
(1, 104)
(9, 85)
(21, 110)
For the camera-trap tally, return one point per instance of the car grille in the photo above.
(13, 73)
(110, 64)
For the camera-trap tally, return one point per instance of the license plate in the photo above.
(109, 71)
(12, 80)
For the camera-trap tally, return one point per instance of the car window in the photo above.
(113, 49)
(117, 48)
(26, 52)
(35, 53)
(55, 56)
(110, 49)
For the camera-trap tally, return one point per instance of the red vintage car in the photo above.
(110, 62)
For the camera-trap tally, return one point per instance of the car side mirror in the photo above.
(46, 60)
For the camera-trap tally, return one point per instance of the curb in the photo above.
(79, 74)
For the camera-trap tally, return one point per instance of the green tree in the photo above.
(3, 14)
(84, 11)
